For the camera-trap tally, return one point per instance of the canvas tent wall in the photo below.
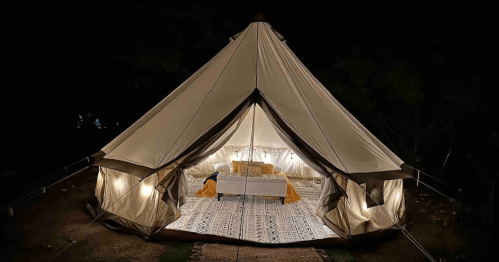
(267, 147)
(204, 113)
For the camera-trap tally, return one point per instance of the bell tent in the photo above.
(254, 101)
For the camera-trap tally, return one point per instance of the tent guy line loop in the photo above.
(457, 189)
(402, 228)
(73, 241)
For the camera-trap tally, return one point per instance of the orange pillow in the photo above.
(255, 170)
(268, 169)
(235, 166)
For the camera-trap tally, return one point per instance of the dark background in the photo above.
(417, 76)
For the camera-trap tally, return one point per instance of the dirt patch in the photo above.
(39, 226)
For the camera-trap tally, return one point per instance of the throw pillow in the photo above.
(255, 170)
(221, 167)
(235, 166)
(268, 169)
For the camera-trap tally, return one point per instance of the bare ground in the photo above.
(39, 226)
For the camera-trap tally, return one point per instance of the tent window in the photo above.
(375, 189)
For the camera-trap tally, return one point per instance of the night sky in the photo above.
(78, 74)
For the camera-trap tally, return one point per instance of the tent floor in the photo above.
(264, 220)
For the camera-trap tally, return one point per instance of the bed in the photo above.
(264, 185)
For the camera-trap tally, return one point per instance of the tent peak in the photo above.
(260, 17)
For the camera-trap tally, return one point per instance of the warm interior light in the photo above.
(146, 191)
(119, 183)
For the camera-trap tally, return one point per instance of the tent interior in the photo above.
(267, 147)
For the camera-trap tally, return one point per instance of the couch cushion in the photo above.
(230, 176)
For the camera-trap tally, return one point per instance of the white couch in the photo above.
(266, 185)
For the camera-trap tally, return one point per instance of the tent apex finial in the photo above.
(260, 17)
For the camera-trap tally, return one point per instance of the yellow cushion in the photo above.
(254, 170)
(235, 166)
(209, 189)
(268, 169)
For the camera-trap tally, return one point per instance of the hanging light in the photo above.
(236, 156)
(291, 156)
(265, 154)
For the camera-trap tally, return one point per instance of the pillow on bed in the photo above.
(235, 166)
(268, 169)
(222, 167)
(277, 169)
(255, 170)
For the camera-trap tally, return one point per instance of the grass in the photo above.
(177, 251)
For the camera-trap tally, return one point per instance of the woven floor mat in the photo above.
(264, 221)
(228, 253)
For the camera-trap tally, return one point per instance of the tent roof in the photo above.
(265, 135)
(255, 62)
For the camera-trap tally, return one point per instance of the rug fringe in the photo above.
(323, 255)
(197, 251)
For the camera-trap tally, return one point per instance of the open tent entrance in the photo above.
(264, 218)
(268, 147)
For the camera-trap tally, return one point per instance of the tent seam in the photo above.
(322, 88)
(257, 50)
(202, 103)
(162, 166)
(273, 122)
(306, 102)
(198, 71)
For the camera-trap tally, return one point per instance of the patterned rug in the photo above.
(264, 220)
(228, 253)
